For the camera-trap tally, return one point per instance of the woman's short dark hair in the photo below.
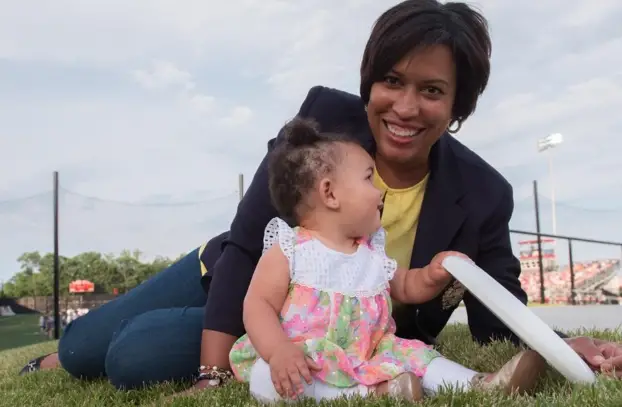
(419, 23)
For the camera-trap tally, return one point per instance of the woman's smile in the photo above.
(400, 134)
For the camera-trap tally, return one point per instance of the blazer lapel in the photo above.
(441, 216)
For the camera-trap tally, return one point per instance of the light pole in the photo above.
(547, 144)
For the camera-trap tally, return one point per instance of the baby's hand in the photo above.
(287, 366)
(437, 274)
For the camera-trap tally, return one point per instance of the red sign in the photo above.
(81, 286)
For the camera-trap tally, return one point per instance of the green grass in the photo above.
(50, 388)
(20, 330)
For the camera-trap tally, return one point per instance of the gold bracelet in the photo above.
(216, 376)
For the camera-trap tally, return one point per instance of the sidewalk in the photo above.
(566, 317)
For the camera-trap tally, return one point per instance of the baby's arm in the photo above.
(416, 286)
(263, 302)
(413, 286)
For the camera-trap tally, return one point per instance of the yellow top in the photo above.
(203, 268)
(400, 218)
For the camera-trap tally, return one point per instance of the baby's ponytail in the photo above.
(301, 132)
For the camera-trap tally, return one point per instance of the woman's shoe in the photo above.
(33, 366)
(519, 375)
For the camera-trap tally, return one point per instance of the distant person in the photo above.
(42, 323)
(423, 69)
(318, 309)
(49, 325)
(71, 315)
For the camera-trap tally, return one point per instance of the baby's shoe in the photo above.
(406, 386)
(519, 375)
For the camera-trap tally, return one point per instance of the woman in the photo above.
(423, 69)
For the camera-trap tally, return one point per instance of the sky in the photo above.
(149, 110)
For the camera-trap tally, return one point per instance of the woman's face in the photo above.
(411, 108)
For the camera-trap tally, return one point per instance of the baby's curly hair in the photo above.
(299, 160)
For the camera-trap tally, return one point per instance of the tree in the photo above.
(107, 271)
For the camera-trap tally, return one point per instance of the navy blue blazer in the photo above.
(466, 208)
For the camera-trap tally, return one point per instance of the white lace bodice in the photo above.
(366, 272)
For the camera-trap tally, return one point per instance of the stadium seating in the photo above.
(589, 278)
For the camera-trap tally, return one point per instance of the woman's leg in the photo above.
(154, 347)
(84, 345)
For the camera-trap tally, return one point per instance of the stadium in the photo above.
(595, 282)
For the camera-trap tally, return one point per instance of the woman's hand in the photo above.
(600, 355)
(198, 387)
(202, 385)
(215, 348)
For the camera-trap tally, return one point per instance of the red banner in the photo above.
(81, 286)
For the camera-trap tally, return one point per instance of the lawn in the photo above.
(57, 388)
(20, 330)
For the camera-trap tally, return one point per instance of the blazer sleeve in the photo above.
(234, 268)
(496, 257)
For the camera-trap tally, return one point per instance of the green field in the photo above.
(57, 388)
(20, 330)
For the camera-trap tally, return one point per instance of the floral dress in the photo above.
(338, 309)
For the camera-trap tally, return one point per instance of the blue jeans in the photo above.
(149, 335)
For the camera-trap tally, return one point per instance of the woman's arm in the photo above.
(215, 348)
(496, 257)
(264, 301)
(232, 272)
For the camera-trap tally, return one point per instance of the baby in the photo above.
(318, 310)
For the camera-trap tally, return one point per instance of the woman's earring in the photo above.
(365, 107)
(458, 124)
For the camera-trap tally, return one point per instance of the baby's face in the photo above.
(359, 199)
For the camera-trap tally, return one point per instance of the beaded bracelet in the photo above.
(215, 375)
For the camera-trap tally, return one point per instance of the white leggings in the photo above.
(262, 388)
(440, 372)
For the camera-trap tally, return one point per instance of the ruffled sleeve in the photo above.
(278, 231)
(377, 243)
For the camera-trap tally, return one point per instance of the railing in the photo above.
(570, 240)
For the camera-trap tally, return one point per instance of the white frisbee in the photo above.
(520, 319)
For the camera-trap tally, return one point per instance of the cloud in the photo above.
(203, 103)
(239, 115)
(582, 14)
(164, 75)
(162, 103)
